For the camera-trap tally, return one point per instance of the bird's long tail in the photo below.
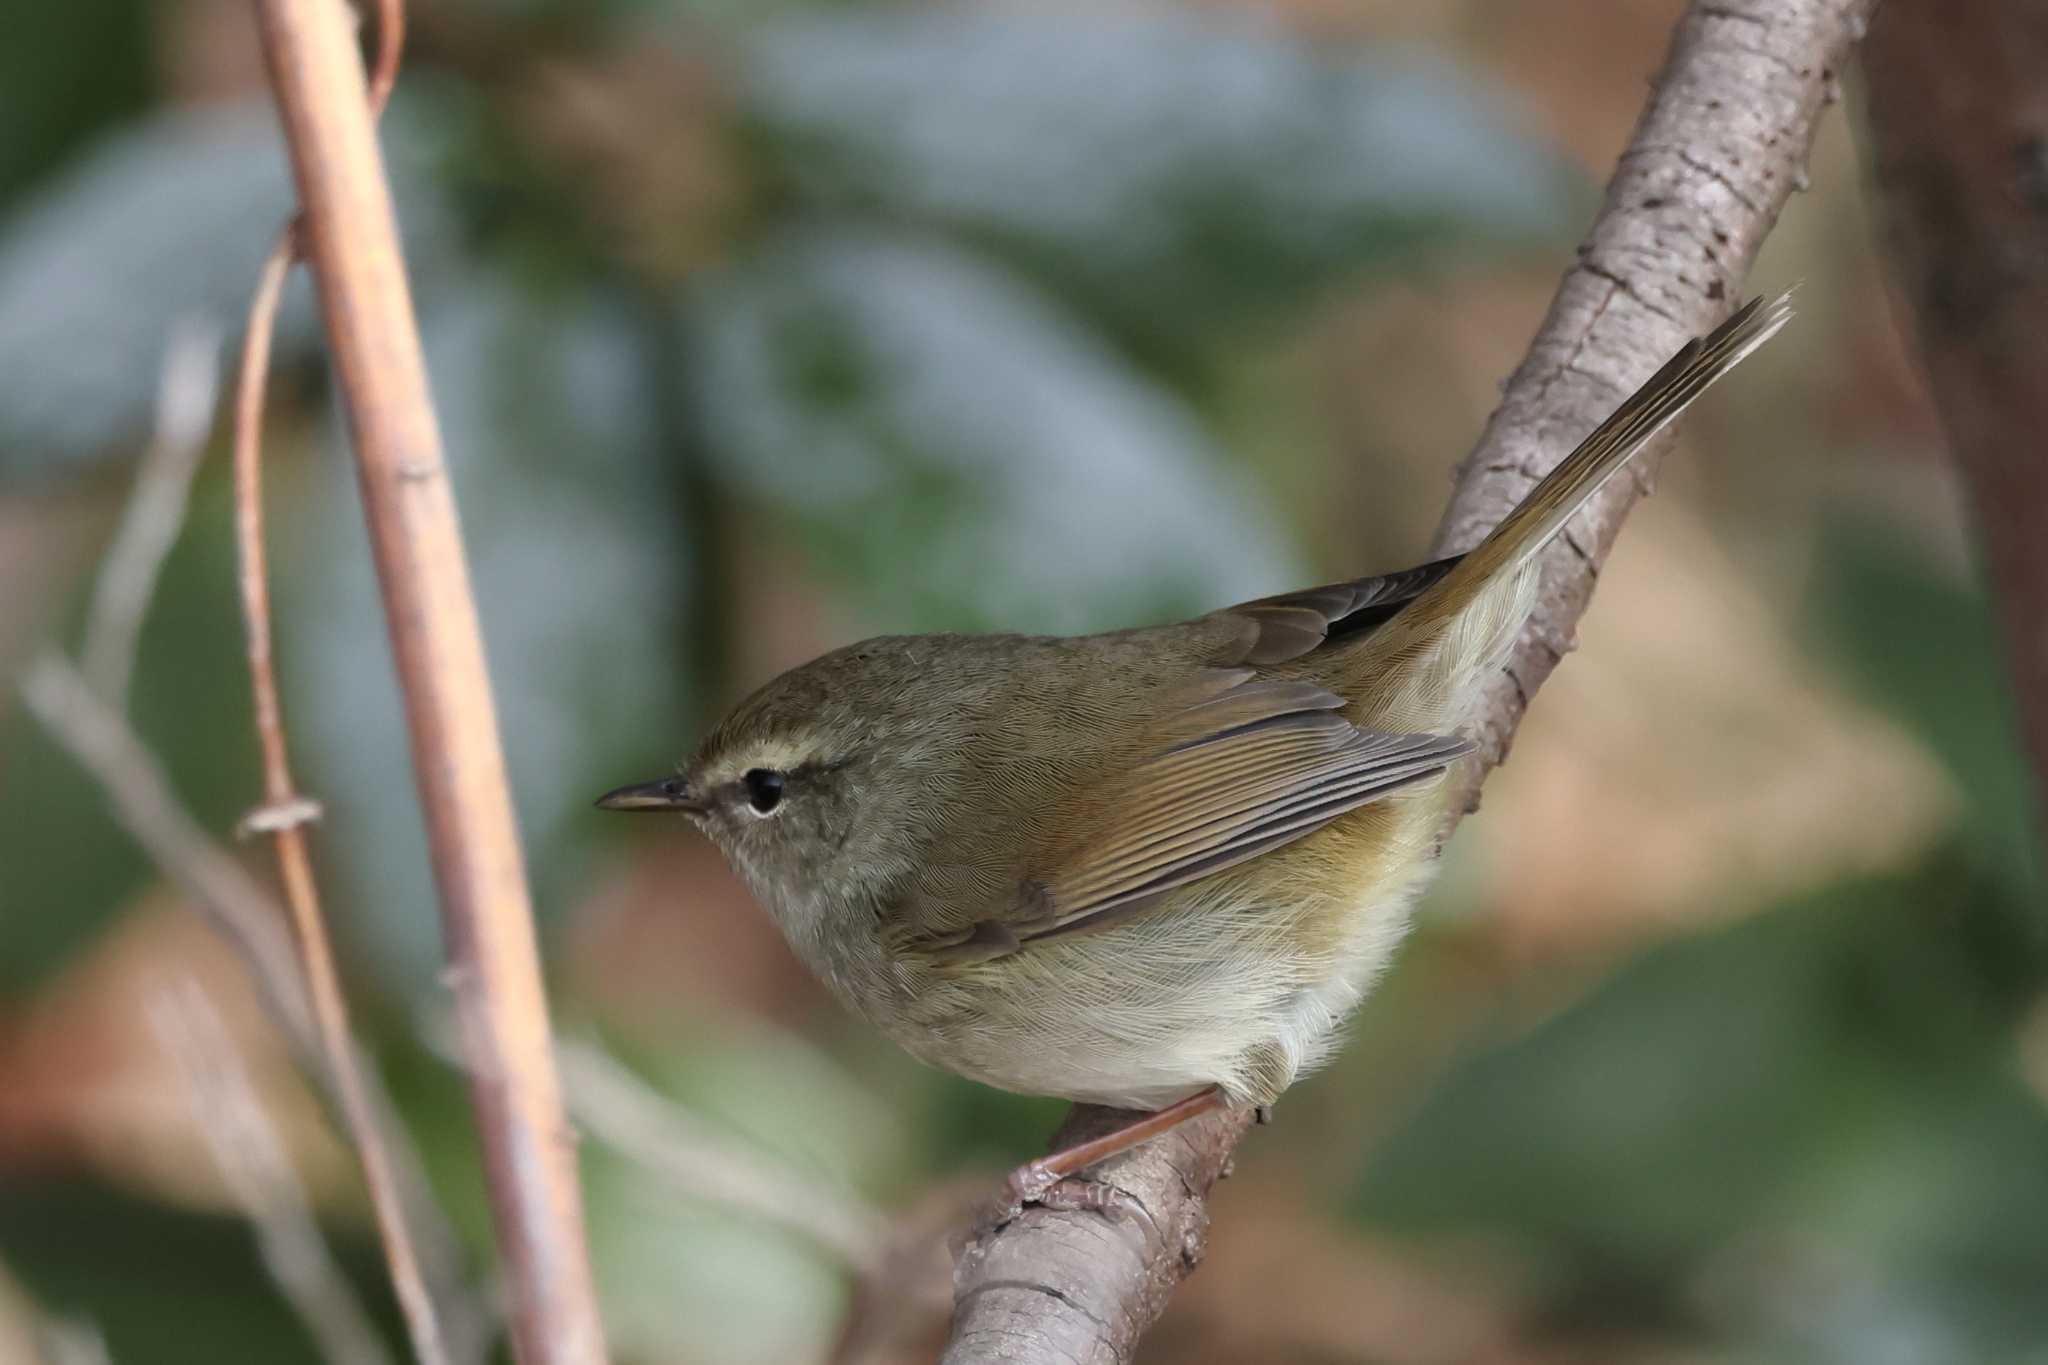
(1538, 517)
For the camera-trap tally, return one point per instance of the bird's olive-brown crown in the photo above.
(836, 775)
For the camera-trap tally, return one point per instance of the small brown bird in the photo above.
(1153, 868)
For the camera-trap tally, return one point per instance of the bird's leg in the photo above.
(1049, 1179)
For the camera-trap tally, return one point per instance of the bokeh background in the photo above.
(756, 328)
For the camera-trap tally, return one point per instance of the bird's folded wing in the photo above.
(1254, 765)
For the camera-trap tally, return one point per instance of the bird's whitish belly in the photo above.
(1241, 979)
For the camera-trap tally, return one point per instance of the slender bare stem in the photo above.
(186, 392)
(390, 51)
(352, 243)
(142, 801)
(217, 887)
(391, 1168)
(214, 883)
(252, 1160)
(284, 815)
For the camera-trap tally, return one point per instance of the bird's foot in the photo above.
(1079, 1194)
(1043, 1183)
(1055, 1181)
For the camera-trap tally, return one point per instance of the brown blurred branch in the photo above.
(145, 806)
(1718, 150)
(230, 900)
(284, 815)
(87, 720)
(898, 1264)
(186, 392)
(351, 240)
(258, 1172)
(620, 1109)
(1958, 108)
(897, 1261)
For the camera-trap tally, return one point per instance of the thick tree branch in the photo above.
(352, 243)
(1959, 134)
(1720, 147)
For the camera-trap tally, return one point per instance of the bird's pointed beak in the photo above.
(667, 793)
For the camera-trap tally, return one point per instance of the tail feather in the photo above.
(1581, 474)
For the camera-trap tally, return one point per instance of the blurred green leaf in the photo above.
(1924, 647)
(68, 866)
(958, 452)
(65, 71)
(686, 1281)
(1183, 172)
(1829, 1083)
(164, 1287)
(690, 1276)
(165, 220)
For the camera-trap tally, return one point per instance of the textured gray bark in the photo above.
(1721, 145)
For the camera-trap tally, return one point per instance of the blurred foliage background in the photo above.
(757, 328)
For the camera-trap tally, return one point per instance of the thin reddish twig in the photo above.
(222, 893)
(188, 391)
(350, 234)
(285, 813)
(390, 47)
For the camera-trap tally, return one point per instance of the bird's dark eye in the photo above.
(764, 789)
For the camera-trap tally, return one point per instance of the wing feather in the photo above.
(1272, 763)
(1244, 763)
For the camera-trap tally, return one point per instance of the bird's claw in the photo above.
(1037, 1182)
